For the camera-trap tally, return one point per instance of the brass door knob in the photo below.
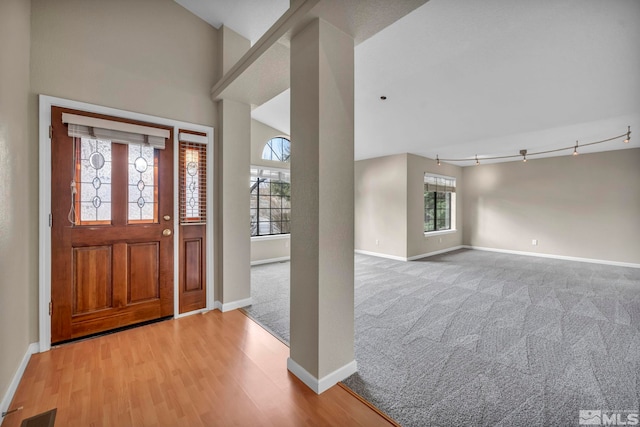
(166, 232)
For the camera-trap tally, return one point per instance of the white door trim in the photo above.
(44, 250)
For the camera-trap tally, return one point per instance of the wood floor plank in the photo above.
(202, 370)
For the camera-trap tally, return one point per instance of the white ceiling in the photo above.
(464, 77)
(276, 112)
(250, 18)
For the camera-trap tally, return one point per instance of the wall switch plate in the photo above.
(534, 242)
(377, 241)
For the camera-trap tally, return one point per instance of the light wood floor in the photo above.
(216, 369)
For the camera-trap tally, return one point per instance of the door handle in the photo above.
(166, 232)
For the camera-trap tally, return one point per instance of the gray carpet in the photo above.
(473, 338)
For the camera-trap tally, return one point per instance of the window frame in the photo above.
(254, 181)
(269, 145)
(449, 198)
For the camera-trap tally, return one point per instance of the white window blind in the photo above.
(272, 174)
(190, 137)
(124, 133)
(439, 183)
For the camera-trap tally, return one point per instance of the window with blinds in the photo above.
(193, 180)
(439, 203)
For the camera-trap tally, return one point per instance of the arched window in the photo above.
(277, 149)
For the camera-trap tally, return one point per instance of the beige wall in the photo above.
(586, 206)
(417, 243)
(235, 253)
(18, 175)
(231, 46)
(389, 206)
(266, 249)
(380, 200)
(147, 56)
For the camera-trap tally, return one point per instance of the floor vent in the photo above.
(46, 419)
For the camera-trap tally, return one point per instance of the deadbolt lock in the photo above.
(167, 217)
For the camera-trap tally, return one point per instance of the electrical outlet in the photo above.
(439, 239)
(534, 242)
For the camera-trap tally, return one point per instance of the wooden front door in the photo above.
(111, 241)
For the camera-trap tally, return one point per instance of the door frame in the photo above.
(44, 202)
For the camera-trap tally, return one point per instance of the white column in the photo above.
(322, 173)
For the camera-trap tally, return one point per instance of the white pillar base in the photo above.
(323, 384)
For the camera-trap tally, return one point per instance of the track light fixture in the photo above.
(524, 153)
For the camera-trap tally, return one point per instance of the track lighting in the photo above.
(523, 153)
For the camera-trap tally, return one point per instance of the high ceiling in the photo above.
(250, 18)
(490, 78)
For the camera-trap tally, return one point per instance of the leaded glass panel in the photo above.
(94, 181)
(142, 203)
(192, 183)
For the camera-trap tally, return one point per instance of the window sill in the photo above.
(439, 233)
(273, 237)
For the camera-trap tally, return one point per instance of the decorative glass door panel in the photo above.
(143, 185)
(93, 181)
(192, 184)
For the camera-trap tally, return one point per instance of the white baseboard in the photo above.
(428, 254)
(270, 260)
(562, 257)
(323, 384)
(228, 306)
(381, 255)
(411, 258)
(217, 305)
(191, 313)
(33, 348)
